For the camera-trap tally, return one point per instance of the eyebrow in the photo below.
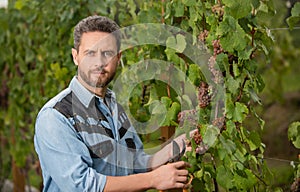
(88, 50)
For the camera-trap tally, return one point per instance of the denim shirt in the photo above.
(78, 150)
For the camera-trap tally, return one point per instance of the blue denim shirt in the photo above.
(74, 159)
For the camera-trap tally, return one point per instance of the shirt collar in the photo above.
(84, 95)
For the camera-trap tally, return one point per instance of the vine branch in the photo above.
(241, 89)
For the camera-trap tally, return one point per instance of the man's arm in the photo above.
(170, 176)
(166, 153)
(67, 161)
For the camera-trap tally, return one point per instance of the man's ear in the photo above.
(119, 57)
(75, 56)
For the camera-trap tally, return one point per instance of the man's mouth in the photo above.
(99, 72)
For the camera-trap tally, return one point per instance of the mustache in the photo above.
(99, 69)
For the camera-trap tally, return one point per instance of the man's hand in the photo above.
(182, 137)
(172, 175)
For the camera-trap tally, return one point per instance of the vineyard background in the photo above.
(36, 36)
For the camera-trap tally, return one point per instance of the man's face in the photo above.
(97, 59)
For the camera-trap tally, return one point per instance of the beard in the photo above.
(100, 82)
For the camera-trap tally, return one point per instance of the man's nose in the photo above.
(101, 60)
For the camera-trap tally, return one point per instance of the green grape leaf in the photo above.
(230, 127)
(224, 177)
(233, 36)
(171, 42)
(185, 101)
(255, 3)
(181, 43)
(210, 135)
(229, 106)
(238, 8)
(173, 111)
(193, 74)
(244, 180)
(240, 112)
(245, 54)
(295, 16)
(254, 96)
(226, 26)
(157, 108)
(236, 70)
(166, 101)
(222, 61)
(234, 41)
(292, 21)
(233, 85)
(228, 145)
(254, 140)
(296, 9)
(294, 134)
(189, 2)
(178, 43)
(211, 20)
(199, 174)
(153, 96)
(171, 115)
(179, 9)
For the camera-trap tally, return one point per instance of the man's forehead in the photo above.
(98, 40)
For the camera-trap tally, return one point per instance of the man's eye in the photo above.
(108, 54)
(91, 53)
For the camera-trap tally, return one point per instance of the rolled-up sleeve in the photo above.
(64, 158)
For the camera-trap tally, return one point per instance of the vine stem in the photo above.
(162, 11)
(169, 81)
(241, 89)
(252, 36)
(215, 180)
(251, 171)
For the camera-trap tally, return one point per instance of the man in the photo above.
(83, 137)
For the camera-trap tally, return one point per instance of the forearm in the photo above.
(166, 153)
(160, 157)
(131, 183)
(170, 176)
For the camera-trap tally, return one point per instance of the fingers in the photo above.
(181, 165)
(182, 179)
(181, 173)
(172, 175)
(181, 182)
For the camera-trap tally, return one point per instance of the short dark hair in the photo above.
(96, 23)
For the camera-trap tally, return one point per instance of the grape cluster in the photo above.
(187, 115)
(219, 122)
(296, 185)
(217, 47)
(203, 95)
(203, 35)
(197, 137)
(217, 76)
